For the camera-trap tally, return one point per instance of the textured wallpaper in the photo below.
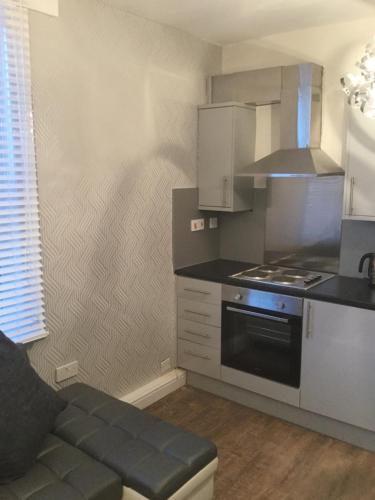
(115, 101)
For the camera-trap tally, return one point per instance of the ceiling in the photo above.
(230, 21)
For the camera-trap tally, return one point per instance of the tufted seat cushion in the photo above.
(62, 472)
(152, 457)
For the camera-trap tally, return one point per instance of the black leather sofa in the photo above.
(105, 449)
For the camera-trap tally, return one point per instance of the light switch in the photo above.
(213, 223)
(197, 224)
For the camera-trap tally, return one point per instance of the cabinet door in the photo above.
(198, 358)
(338, 363)
(192, 310)
(215, 157)
(359, 198)
(202, 291)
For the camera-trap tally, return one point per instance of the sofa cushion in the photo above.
(27, 412)
(151, 456)
(63, 472)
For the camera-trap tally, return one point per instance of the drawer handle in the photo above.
(196, 291)
(225, 190)
(204, 315)
(203, 335)
(200, 356)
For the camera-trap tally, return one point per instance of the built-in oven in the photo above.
(262, 334)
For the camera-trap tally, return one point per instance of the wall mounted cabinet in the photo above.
(359, 200)
(338, 352)
(226, 146)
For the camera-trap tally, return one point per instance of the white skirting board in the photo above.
(157, 389)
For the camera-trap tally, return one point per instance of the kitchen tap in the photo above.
(371, 267)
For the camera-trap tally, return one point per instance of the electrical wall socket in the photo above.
(197, 224)
(66, 371)
(165, 365)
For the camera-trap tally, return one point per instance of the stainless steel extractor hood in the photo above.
(300, 154)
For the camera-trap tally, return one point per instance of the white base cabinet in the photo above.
(338, 354)
(199, 326)
(338, 363)
(199, 358)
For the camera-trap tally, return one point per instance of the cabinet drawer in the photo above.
(209, 314)
(199, 358)
(204, 291)
(199, 333)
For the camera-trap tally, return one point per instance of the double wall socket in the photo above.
(197, 224)
(67, 371)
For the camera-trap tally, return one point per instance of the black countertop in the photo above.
(339, 289)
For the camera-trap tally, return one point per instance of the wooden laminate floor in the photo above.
(264, 458)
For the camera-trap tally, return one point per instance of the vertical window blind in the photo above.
(21, 292)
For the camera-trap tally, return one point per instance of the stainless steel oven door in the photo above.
(262, 342)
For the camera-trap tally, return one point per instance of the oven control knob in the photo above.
(238, 296)
(281, 305)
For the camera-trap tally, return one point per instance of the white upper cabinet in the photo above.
(359, 200)
(226, 146)
(338, 359)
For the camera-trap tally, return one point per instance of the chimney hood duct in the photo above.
(300, 154)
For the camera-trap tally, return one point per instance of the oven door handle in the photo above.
(258, 315)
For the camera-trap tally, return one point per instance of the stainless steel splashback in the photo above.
(303, 222)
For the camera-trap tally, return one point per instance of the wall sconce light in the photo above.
(360, 88)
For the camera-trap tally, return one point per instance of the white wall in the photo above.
(115, 111)
(336, 47)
